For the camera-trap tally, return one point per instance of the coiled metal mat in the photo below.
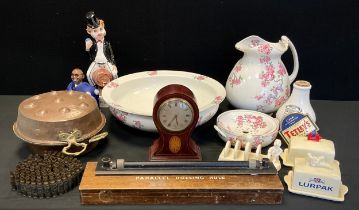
(47, 175)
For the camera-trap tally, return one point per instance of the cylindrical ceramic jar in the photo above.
(299, 101)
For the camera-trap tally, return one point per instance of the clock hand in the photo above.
(174, 118)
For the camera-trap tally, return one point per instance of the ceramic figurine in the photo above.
(274, 152)
(259, 80)
(102, 69)
(77, 84)
(299, 101)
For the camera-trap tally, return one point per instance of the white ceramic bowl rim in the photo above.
(219, 92)
(273, 122)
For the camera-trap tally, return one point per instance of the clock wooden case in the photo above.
(175, 115)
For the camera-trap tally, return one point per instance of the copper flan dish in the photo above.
(41, 118)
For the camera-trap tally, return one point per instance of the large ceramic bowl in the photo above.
(131, 97)
(246, 125)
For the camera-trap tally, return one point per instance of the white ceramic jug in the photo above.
(299, 101)
(259, 80)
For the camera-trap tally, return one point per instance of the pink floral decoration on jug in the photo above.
(234, 77)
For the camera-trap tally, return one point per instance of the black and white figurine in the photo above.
(103, 68)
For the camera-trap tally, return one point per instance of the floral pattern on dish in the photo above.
(253, 121)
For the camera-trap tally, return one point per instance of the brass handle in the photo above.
(98, 137)
(72, 140)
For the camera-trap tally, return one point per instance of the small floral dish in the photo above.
(131, 97)
(246, 125)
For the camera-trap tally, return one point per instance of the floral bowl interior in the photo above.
(245, 122)
(134, 93)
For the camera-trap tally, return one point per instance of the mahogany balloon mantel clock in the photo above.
(175, 114)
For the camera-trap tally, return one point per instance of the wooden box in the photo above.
(179, 189)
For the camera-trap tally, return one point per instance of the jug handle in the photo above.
(295, 59)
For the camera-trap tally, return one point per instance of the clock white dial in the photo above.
(175, 114)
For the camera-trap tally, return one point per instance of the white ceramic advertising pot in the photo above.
(298, 102)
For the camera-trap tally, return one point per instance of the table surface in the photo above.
(337, 120)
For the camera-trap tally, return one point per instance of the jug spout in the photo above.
(254, 42)
(249, 42)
